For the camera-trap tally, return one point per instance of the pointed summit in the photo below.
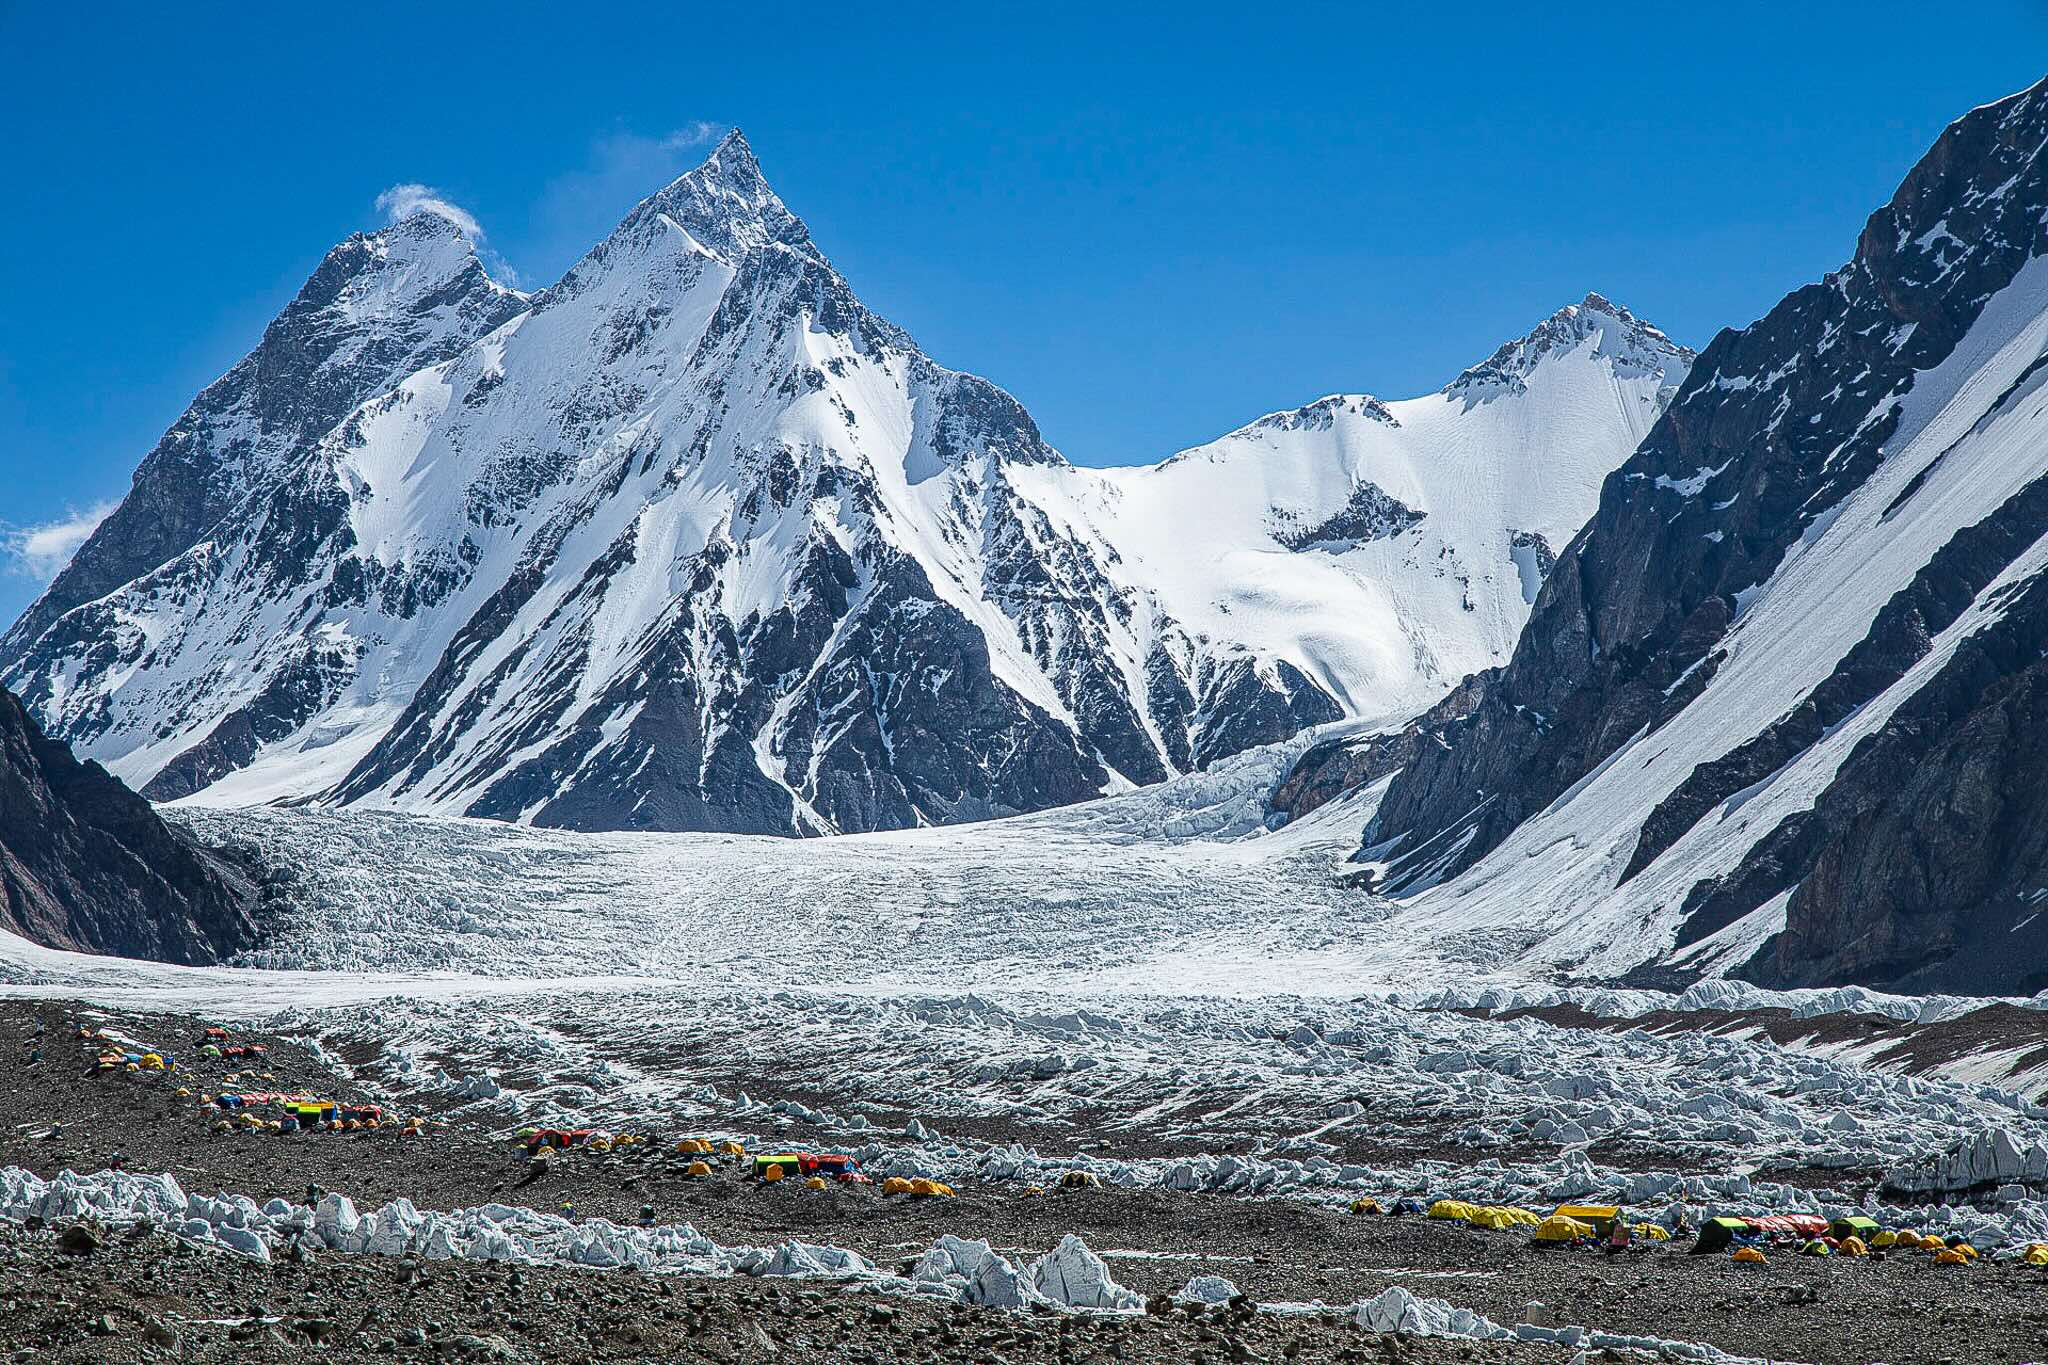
(380, 306)
(416, 257)
(726, 204)
(1633, 347)
(733, 160)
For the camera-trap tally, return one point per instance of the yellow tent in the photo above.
(1452, 1208)
(1503, 1216)
(1560, 1229)
(1599, 1217)
(1749, 1255)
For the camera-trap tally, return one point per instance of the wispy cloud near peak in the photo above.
(42, 551)
(403, 200)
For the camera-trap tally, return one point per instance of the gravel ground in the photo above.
(52, 1306)
(154, 1299)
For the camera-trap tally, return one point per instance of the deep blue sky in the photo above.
(1150, 225)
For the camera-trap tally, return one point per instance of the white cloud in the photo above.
(695, 133)
(41, 552)
(403, 201)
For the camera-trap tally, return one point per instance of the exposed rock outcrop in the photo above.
(87, 864)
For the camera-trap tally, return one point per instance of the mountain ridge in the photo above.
(624, 551)
(1807, 564)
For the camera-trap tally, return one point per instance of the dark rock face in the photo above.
(1924, 865)
(1371, 513)
(1063, 605)
(1898, 638)
(1338, 767)
(290, 697)
(1242, 709)
(86, 864)
(906, 725)
(1775, 425)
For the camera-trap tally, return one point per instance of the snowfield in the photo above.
(1153, 987)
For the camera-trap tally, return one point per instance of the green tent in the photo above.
(1854, 1226)
(1719, 1233)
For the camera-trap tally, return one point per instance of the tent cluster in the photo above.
(707, 1147)
(1746, 1239)
(238, 1110)
(112, 1052)
(1495, 1216)
(1566, 1225)
(1854, 1236)
(259, 1111)
(214, 1043)
(592, 1139)
(815, 1169)
(702, 1155)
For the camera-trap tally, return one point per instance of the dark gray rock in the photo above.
(1371, 513)
(87, 864)
(1338, 767)
(1924, 865)
(1629, 626)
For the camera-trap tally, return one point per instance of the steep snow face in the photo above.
(692, 540)
(1775, 710)
(1386, 550)
(381, 306)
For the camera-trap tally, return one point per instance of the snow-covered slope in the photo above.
(380, 306)
(1780, 704)
(692, 540)
(1387, 549)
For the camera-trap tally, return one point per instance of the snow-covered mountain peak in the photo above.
(694, 540)
(726, 205)
(1630, 346)
(410, 266)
